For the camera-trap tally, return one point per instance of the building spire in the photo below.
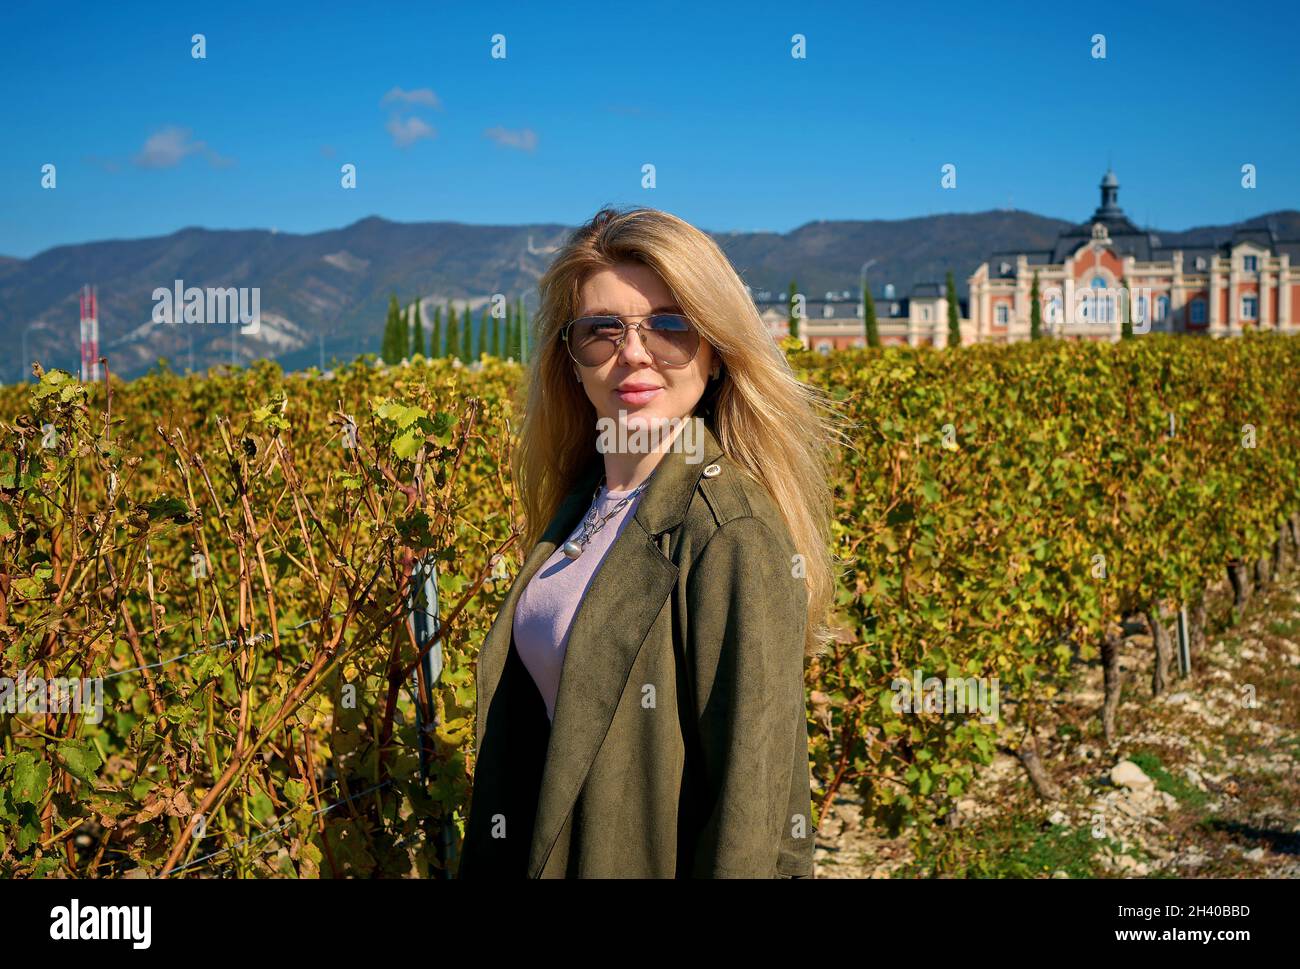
(1109, 208)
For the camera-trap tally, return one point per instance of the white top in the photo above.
(545, 609)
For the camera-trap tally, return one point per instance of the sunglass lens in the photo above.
(672, 339)
(593, 339)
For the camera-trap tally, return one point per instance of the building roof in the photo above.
(1190, 254)
(1264, 236)
(1126, 239)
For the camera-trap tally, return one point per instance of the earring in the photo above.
(714, 374)
(577, 376)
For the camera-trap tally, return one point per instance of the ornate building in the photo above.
(1247, 282)
(835, 323)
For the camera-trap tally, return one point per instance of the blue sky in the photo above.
(148, 140)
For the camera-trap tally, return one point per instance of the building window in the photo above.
(1250, 263)
(1054, 306)
(1003, 314)
(1103, 303)
(1249, 307)
(925, 313)
(824, 347)
(1198, 311)
(893, 309)
(1162, 308)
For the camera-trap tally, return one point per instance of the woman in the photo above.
(641, 707)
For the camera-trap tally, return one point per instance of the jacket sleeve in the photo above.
(745, 641)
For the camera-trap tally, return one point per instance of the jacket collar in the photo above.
(664, 503)
(613, 619)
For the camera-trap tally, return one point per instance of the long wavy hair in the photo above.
(778, 429)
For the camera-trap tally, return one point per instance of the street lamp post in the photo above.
(862, 296)
(865, 266)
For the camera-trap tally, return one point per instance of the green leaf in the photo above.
(31, 777)
(407, 444)
(173, 508)
(442, 426)
(81, 758)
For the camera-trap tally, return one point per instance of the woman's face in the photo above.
(635, 290)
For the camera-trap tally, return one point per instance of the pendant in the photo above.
(572, 549)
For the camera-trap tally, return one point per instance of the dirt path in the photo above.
(1198, 785)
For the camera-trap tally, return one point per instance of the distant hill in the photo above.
(330, 289)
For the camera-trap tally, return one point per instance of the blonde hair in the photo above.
(772, 425)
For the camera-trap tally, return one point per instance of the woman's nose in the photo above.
(626, 350)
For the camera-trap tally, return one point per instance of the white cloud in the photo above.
(421, 95)
(408, 132)
(168, 147)
(524, 139)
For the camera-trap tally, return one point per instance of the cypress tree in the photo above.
(417, 331)
(792, 322)
(435, 338)
(1035, 310)
(393, 345)
(466, 334)
(954, 320)
(453, 331)
(1126, 320)
(524, 323)
(869, 319)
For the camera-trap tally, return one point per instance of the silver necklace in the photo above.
(590, 526)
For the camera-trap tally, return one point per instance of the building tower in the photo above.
(1109, 208)
(89, 334)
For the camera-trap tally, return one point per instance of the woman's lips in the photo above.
(637, 396)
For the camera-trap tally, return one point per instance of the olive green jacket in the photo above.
(679, 746)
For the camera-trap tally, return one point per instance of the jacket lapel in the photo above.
(613, 619)
(495, 649)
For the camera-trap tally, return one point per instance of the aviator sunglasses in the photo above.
(670, 338)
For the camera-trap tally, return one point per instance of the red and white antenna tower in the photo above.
(89, 334)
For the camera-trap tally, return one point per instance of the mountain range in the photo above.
(324, 294)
